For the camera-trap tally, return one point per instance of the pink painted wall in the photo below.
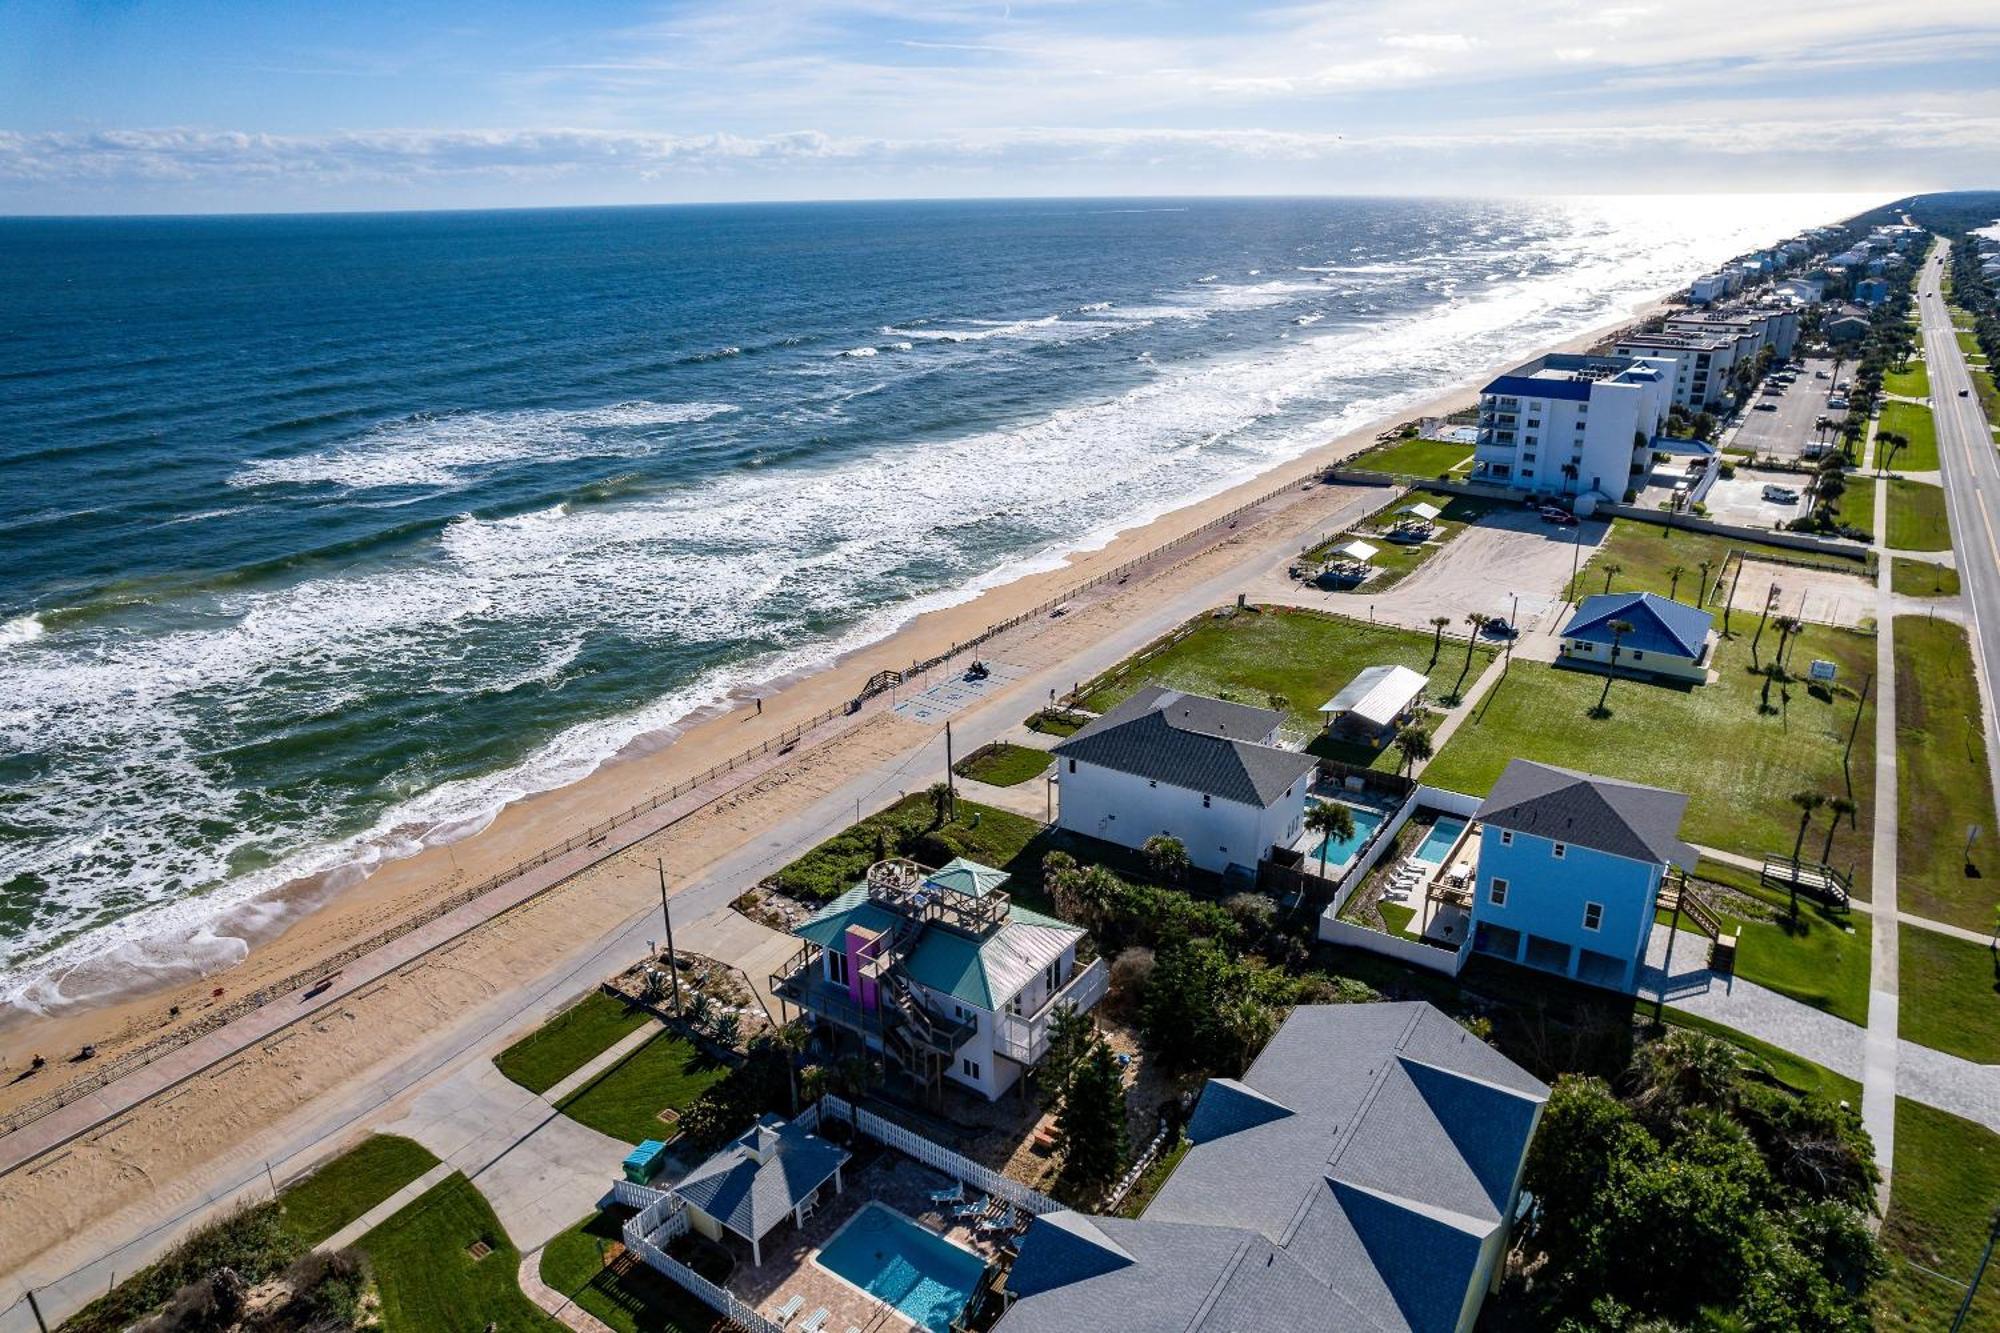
(861, 946)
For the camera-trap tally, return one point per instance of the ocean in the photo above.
(321, 535)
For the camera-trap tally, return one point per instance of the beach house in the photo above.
(772, 1171)
(1360, 1178)
(939, 973)
(1570, 868)
(1206, 771)
(1649, 633)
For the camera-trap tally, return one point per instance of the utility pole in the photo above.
(1514, 623)
(1965, 1306)
(1575, 563)
(667, 915)
(950, 784)
(35, 1307)
(1859, 708)
(1728, 605)
(1667, 966)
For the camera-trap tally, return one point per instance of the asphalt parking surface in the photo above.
(1785, 432)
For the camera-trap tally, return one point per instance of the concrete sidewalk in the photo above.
(387, 1209)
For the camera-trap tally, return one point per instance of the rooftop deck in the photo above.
(904, 887)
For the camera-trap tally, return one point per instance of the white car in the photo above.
(1783, 495)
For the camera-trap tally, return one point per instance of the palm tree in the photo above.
(1570, 473)
(1704, 567)
(1166, 856)
(1329, 819)
(788, 1041)
(1840, 806)
(1674, 573)
(1787, 627)
(1612, 571)
(1619, 629)
(1807, 802)
(1478, 621)
(1415, 743)
(1440, 624)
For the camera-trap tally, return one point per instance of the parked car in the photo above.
(1765, 407)
(1562, 518)
(1819, 374)
(1499, 629)
(1783, 495)
(1838, 402)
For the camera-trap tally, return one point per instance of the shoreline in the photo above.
(312, 920)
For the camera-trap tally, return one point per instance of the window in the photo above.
(1637, 654)
(1593, 915)
(971, 1069)
(1053, 977)
(966, 1015)
(836, 967)
(1152, 782)
(1072, 765)
(1562, 850)
(1496, 893)
(1205, 800)
(1506, 837)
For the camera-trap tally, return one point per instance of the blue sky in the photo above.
(148, 107)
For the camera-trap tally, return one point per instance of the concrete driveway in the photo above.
(1508, 554)
(1740, 499)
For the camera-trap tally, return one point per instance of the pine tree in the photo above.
(1090, 1127)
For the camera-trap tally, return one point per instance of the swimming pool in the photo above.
(1339, 851)
(1437, 843)
(911, 1267)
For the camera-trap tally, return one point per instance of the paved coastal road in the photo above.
(1971, 469)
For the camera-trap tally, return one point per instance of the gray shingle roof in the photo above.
(1585, 810)
(750, 1197)
(1418, 1130)
(1192, 741)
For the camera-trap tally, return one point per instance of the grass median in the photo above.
(1923, 578)
(1738, 747)
(345, 1188)
(1945, 1180)
(627, 1100)
(569, 1041)
(1003, 765)
(1917, 520)
(1949, 994)
(1942, 785)
(1913, 381)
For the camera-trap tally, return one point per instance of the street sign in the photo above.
(1824, 670)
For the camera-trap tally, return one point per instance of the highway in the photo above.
(1971, 475)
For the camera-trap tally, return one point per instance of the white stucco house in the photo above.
(1205, 771)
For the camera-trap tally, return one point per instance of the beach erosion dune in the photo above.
(299, 603)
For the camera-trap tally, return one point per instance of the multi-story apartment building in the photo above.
(1702, 362)
(1566, 425)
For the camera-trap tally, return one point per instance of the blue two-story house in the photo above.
(1570, 867)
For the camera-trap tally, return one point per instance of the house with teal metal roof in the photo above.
(939, 973)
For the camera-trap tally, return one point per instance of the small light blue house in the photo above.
(1570, 867)
(1667, 638)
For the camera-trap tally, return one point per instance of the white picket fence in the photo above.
(647, 1234)
(938, 1157)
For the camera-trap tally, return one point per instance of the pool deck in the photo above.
(788, 1269)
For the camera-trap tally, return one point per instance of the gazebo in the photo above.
(774, 1170)
(1375, 700)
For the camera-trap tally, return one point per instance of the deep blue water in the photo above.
(316, 532)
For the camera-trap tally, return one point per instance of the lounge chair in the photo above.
(968, 1211)
(815, 1321)
(783, 1314)
(956, 1194)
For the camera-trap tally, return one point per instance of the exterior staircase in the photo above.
(1676, 896)
(1812, 878)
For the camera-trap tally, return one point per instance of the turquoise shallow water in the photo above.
(322, 534)
(895, 1260)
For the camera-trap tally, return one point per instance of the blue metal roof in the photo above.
(1523, 386)
(1658, 625)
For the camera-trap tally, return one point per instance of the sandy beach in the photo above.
(155, 1156)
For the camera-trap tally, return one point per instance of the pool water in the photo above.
(1437, 843)
(912, 1268)
(1339, 851)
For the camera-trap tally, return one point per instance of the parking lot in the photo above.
(1740, 499)
(1785, 430)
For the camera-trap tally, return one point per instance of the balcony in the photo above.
(1025, 1039)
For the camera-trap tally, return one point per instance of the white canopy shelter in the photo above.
(1357, 550)
(1377, 696)
(1429, 513)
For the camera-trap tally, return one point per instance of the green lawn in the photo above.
(1415, 458)
(1921, 578)
(569, 1041)
(1989, 397)
(1292, 659)
(627, 1295)
(1794, 1071)
(1942, 783)
(1394, 561)
(1822, 960)
(1055, 722)
(1912, 421)
(980, 832)
(1917, 519)
(352, 1183)
(1857, 505)
(1943, 1191)
(1646, 554)
(431, 1283)
(625, 1100)
(1004, 765)
(1968, 342)
(1914, 381)
(1737, 762)
(1950, 994)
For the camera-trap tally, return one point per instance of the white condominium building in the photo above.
(1579, 426)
